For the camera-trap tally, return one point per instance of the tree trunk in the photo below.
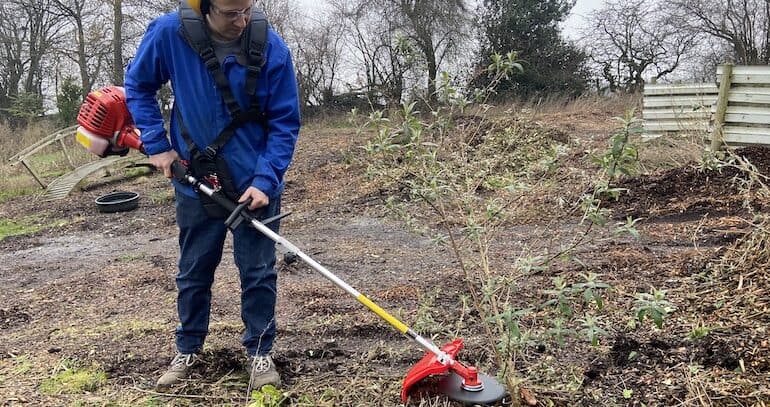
(117, 44)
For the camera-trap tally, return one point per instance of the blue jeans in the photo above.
(201, 240)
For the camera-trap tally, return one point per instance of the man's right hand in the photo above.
(163, 162)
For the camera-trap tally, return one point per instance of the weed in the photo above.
(21, 365)
(160, 197)
(699, 331)
(623, 157)
(628, 228)
(15, 185)
(514, 339)
(129, 257)
(591, 289)
(469, 170)
(592, 328)
(424, 321)
(561, 296)
(559, 332)
(654, 306)
(268, 396)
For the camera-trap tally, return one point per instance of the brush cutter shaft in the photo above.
(393, 321)
(180, 173)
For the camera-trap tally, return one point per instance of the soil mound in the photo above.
(690, 192)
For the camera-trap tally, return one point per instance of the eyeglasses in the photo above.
(233, 14)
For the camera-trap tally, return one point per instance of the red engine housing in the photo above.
(105, 114)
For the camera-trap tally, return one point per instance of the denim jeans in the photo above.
(201, 240)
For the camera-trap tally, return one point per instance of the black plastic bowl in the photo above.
(119, 201)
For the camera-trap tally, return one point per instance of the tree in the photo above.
(377, 46)
(629, 40)
(280, 13)
(29, 31)
(436, 28)
(318, 46)
(24, 107)
(68, 101)
(12, 60)
(530, 28)
(744, 25)
(44, 31)
(117, 42)
(88, 42)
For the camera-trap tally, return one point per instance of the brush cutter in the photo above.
(457, 381)
(460, 382)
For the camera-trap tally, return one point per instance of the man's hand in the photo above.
(258, 198)
(163, 162)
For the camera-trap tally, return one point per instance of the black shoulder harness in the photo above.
(253, 44)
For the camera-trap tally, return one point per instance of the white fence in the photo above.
(735, 110)
(678, 108)
(746, 106)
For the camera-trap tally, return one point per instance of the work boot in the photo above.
(263, 372)
(179, 369)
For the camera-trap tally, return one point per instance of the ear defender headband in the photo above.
(200, 6)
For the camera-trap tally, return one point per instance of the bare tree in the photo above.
(13, 62)
(377, 46)
(88, 43)
(318, 46)
(629, 40)
(29, 30)
(437, 28)
(279, 13)
(742, 24)
(45, 28)
(117, 42)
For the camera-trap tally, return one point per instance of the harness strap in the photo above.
(197, 36)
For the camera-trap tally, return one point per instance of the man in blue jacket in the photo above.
(260, 133)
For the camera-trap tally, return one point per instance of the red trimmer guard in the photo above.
(429, 366)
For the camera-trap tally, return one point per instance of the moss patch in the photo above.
(73, 381)
(10, 227)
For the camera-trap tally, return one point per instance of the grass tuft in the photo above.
(74, 381)
(10, 227)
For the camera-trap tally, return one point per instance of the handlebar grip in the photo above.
(179, 171)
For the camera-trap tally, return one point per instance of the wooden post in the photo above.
(66, 153)
(717, 138)
(32, 172)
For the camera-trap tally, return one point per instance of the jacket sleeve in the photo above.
(146, 73)
(282, 109)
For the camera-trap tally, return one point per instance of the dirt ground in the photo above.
(96, 290)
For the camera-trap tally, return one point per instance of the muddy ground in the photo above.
(96, 291)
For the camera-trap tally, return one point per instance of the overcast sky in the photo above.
(581, 9)
(576, 18)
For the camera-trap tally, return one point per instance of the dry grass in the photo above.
(14, 140)
(671, 152)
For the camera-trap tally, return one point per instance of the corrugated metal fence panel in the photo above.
(677, 108)
(748, 75)
(747, 120)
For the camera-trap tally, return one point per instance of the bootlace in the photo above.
(260, 364)
(183, 359)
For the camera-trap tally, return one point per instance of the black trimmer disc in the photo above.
(452, 387)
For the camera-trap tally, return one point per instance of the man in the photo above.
(257, 149)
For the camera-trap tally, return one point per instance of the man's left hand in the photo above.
(258, 198)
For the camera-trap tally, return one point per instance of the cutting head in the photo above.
(490, 393)
(455, 380)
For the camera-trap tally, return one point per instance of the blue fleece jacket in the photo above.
(255, 158)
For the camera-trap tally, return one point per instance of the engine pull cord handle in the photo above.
(238, 212)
